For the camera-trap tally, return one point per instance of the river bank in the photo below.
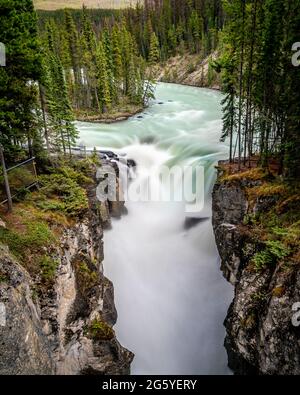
(109, 117)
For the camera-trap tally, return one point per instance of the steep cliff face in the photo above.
(190, 70)
(67, 328)
(261, 338)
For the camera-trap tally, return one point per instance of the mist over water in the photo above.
(169, 292)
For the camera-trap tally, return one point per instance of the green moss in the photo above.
(27, 238)
(86, 277)
(268, 189)
(100, 330)
(34, 236)
(48, 268)
(251, 175)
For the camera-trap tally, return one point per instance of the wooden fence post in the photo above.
(6, 182)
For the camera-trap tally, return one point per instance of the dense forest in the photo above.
(67, 62)
(71, 62)
(261, 83)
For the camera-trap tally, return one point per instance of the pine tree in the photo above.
(104, 94)
(74, 52)
(18, 95)
(61, 118)
(154, 53)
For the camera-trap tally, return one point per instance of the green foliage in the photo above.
(100, 330)
(61, 193)
(36, 235)
(86, 277)
(262, 260)
(261, 107)
(274, 252)
(277, 249)
(19, 114)
(154, 54)
(77, 176)
(48, 267)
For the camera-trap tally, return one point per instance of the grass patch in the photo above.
(255, 174)
(268, 189)
(28, 239)
(36, 235)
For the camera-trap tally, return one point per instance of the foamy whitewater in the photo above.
(169, 292)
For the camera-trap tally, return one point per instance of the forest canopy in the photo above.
(68, 62)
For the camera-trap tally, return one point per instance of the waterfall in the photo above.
(170, 295)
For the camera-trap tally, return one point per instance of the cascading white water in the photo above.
(169, 292)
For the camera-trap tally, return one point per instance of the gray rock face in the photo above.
(261, 338)
(24, 348)
(229, 208)
(68, 329)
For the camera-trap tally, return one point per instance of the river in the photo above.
(170, 295)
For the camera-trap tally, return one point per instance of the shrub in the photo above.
(62, 194)
(100, 330)
(278, 249)
(191, 68)
(77, 176)
(262, 259)
(274, 252)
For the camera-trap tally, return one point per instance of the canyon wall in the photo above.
(261, 338)
(68, 329)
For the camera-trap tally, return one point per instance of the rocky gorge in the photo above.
(260, 336)
(67, 329)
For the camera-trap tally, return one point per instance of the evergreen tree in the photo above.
(18, 95)
(104, 94)
(154, 54)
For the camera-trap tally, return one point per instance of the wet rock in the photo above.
(131, 163)
(190, 222)
(148, 140)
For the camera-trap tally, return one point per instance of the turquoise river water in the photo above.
(170, 295)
